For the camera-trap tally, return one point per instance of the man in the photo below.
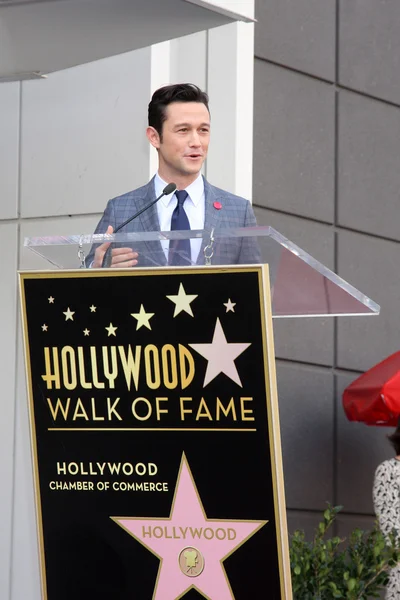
(179, 129)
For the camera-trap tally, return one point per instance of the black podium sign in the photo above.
(155, 434)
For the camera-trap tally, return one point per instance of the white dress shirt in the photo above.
(194, 208)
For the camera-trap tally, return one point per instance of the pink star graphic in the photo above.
(221, 356)
(188, 527)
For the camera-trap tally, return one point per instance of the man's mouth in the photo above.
(193, 155)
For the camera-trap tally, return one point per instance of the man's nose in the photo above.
(195, 139)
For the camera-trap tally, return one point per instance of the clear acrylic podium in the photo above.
(301, 286)
(173, 365)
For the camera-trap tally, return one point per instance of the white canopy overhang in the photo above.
(41, 36)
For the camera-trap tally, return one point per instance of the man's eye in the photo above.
(183, 129)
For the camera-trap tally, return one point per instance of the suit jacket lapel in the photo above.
(150, 222)
(211, 217)
(149, 217)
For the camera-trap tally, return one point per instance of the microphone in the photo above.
(169, 189)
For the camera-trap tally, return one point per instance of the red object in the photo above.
(217, 205)
(374, 397)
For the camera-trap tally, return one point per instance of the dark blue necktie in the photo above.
(180, 249)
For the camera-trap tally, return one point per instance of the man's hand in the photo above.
(121, 257)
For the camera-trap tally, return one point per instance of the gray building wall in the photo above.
(326, 175)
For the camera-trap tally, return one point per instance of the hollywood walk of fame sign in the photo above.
(155, 434)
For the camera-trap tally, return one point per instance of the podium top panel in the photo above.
(301, 286)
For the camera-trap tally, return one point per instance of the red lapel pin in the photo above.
(217, 205)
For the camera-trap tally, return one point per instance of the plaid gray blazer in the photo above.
(235, 212)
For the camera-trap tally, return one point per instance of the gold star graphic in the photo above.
(143, 318)
(93, 308)
(69, 315)
(45, 327)
(51, 300)
(230, 306)
(111, 330)
(86, 331)
(182, 301)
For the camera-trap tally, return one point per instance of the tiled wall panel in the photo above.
(293, 143)
(368, 169)
(83, 136)
(371, 265)
(25, 573)
(9, 149)
(369, 47)
(8, 319)
(298, 34)
(306, 418)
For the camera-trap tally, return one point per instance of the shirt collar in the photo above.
(195, 190)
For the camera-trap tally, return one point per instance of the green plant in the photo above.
(324, 569)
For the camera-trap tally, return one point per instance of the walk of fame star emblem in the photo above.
(168, 539)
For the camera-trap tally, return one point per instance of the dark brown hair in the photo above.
(181, 92)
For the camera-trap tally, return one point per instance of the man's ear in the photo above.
(153, 137)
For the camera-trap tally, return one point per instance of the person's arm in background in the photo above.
(386, 497)
(121, 257)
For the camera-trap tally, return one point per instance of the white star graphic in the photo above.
(69, 315)
(230, 306)
(93, 308)
(220, 355)
(143, 318)
(45, 327)
(111, 330)
(86, 331)
(182, 301)
(51, 300)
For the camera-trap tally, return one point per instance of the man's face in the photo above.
(185, 138)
